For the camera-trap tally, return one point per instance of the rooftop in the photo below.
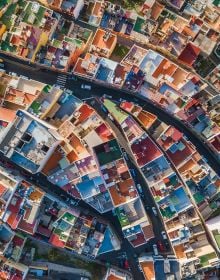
(108, 152)
(116, 112)
(145, 151)
(28, 142)
(189, 54)
(103, 43)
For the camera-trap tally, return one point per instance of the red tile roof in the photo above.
(148, 232)
(54, 240)
(171, 136)
(139, 240)
(29, 228)
(85, 112)
(127, 106)
(104, 132)
(7, 115)
(216, 143)
(44, 231)
(2, 189)
(180, 156)
(189, 54)
(145, 151)
(15, 204)
(13, 220)
(18, 241)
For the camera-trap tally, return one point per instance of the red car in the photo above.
(126, 264)
(160, 246)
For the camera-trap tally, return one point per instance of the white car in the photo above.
(163, 233)
(139, 188)
(88, 87)
(155, 249)
(154, 211)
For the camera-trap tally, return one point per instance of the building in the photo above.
(103, 43)
(28, 142)
(161, 268)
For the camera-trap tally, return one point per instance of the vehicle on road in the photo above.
(110, 117)
(126, 264)
(139, 188)
(160, 246)
(133, 172)
(87, 87)
(2, 65)
(154, 210)
(217, 50)
(163, 233)
(155, 249)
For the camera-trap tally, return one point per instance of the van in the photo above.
(139, 188)
(87, 87)
(154, 211)
(155, 249)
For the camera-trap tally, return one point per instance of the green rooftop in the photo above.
(117, 113)
(167, 212)
(198, 198)
(108, 152)
(122, 218)
(204, 260)
(32, 17)
(35, 106)
(139, 24)
(69, 217)
(217, 237)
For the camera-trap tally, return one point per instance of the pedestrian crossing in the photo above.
(61, 80)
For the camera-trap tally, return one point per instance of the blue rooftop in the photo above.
(107, 245)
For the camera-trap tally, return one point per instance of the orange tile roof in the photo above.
(166, 67)
(2, 189)
(85, 111)
(179, 250)
(187, 166)
(147, 119)
(113, 277)
(72, 156)
(52, 162)
(100, 42)
(156, 10)
(7, 115)
(125, 185)
(116, 197)
(148, 269)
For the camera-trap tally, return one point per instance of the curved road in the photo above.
(49, 76)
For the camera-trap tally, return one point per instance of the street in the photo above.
(50, 77)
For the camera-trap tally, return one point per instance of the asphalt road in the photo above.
(147, 199)
(50, 77)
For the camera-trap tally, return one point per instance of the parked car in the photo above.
(155, 249)
(217, 50)
(2, 65)
(126, 264)
(163, 233)
(154, 211)
(160, 246)
(87, 87)
(139, 188)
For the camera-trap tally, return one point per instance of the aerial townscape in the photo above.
(110, 140)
